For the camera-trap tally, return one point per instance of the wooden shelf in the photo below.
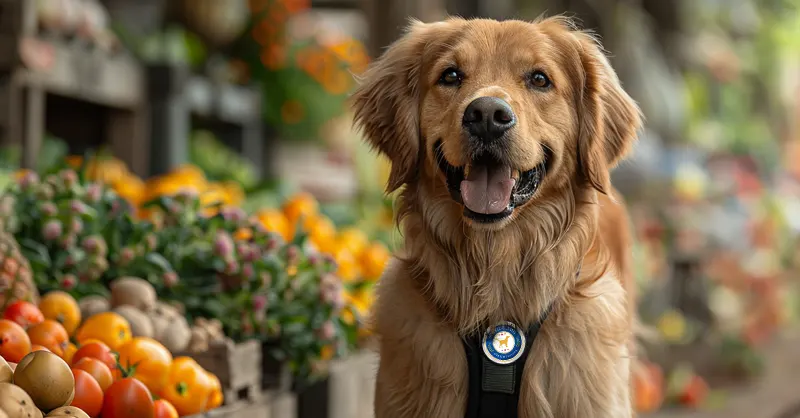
(83, 73)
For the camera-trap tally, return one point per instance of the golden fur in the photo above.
(455, 276)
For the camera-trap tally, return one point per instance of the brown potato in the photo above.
(46, 378)
(6, 372)
(16, 403)
(91, 305)
(133, 291)
(68, 412)
(141, 324)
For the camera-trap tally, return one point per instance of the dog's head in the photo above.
(498, 114)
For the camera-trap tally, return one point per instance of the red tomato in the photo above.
(128, 398)
(96, 369)
(24, 313)
(164, 409)
(88, 394)
(14, 342)
(96, 350)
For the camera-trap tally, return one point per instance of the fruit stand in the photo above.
(189, 227)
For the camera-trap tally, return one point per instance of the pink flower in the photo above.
(170, 279)
(126, 255)
(327, 331)
(259, 302)
(76, 226)
(69, 177)
(233, 214)
(243, 250)
(29, 180)
(247, 270)
(52, 230)
(231, 267)
(76, 206)
(94, 192)
(68, 282)
(223, 244)
(95, 245)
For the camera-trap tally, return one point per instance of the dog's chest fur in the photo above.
(577, 367)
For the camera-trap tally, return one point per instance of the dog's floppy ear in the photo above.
(610, 119)
(386, 104)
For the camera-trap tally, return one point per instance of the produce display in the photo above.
(96, 369)
(178, 265)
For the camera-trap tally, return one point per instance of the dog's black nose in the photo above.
(488, 118)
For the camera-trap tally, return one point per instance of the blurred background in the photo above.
(190, 166)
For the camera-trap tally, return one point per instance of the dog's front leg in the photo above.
(423, 367)
(420, 382)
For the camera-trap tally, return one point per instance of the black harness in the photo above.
(494, 388)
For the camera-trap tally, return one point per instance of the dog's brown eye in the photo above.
(451, 77)
(539, 80)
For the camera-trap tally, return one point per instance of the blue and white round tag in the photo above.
(503, 343)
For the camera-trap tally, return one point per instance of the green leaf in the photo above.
(159, 261)
(35, 252)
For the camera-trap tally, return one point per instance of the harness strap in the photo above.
(494, 388)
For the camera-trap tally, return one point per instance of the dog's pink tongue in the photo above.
(487, 189)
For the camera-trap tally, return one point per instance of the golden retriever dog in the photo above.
(502, 135)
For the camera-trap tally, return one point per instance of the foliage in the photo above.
(306, 74)
(79, 236)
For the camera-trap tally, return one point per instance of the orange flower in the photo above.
(243, 234)
(273, 56)
(292, 112)
(336, 81)
(296, 6)
(264, 32)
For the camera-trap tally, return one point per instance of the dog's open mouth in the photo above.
(489, 189)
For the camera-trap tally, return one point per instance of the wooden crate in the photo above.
(275, 375)
(270, 405)
(83, 94)
(352, 386)
(347, 392)
(238, 367)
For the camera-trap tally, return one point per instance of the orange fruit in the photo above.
(69, 352)
(149, 360)
(51, 335)
(216, 398)
(60, 306)
(14, 342)
(97, 369)
(96, 350)
(37, 347)
(164, 409)
(88, 393)
(109, 327)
